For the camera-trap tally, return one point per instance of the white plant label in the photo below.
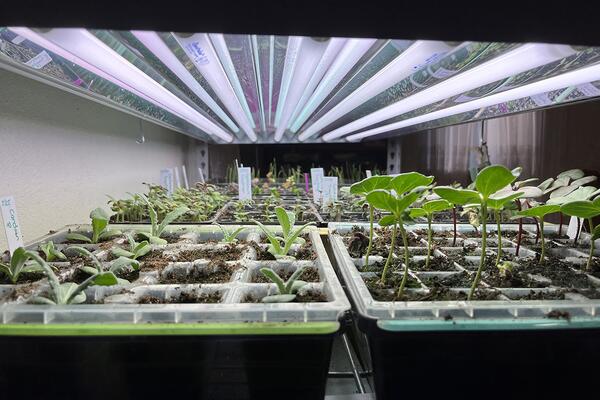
(39, 61)
(572, 229)
(18, 39)
(197, 52)
(177, 180)
(588, 89)
(330, 189)
(201, 175)
(166, 180)
(541, 99)
(369, 174)
(12, 229)
(185, 180)
(245, 183)
(316, 179)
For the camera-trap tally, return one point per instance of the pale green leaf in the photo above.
(409, 181)
(492, 179)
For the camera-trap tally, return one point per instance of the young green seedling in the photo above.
(100, 231)
(51, 252)
(105, 277)
(363, 188)
(427, 210)
(135, 249)
(61, 293)
(158, 228)
(490, 180)
(408, 188)
(286, 290)
(539, 212)
(585, 209)
(230, 236)
(18, 264)
(289, 235)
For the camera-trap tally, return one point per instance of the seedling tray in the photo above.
(225, 350)
(255, 211)
(509, 337)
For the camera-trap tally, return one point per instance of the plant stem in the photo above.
(428, 241)
(454, 222)
(578, 231)
(520, 230)
(499, 233)
(589, 263)
(370, 235)
(543, 255)
(389, 259)
(483, 244)
(560, 225)
(405, 276)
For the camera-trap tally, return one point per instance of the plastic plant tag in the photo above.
(166, 180)
(329, 189)
(316, 178)
(201, 175)
(306, 182)
(12, 229)
(39, 61)
(245, 183)
(572, 229)
(369, 174)
(18, 40)
(177, 179)
(185, 179)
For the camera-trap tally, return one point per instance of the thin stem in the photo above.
(578, 231)
(389, 259)
(543, 255)
(371, 211)
(519, 234)
(560, 225)
(589, 263)
(428, 241)
(454, 222)
(483, 245)
(405, 276)
(499, 234)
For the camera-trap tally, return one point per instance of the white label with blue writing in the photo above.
(369, 174)
(166, 180)
(197, 53)
(245, 183)
(330, 189)
(39, 61)
(11, 223)
(316, 179)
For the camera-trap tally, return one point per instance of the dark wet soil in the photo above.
(186, 297)
(79, 275)
(308, 275)
(154, 260)
(231, 252)
(437, 263)
(558, 271)
(25, 277)
(444, 294)
(458, 280)
(215, 272)
(305, 252)
(533, 295)
(262, 254)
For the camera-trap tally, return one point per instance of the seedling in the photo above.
(100, 231)
(158, 228)
(427, 210)
(408, 188)
(539, 212)
(286, 290)
(334, 209)
(61, 293)
(506, 268)
(289, 235)
(135, 249)
(490, 180)
(363, 188)
(18, 264)
(51, 252)
(230, 236)
(585, 209)
(105, 277)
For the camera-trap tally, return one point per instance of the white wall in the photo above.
(60, 154)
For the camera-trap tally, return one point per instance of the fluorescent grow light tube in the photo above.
(156, 45)
(352, 52)
(332, 50)
(305, 63)
(199, 49)
(401, 67)
(521, 59)
(573, 78)
(293, 46)
(82, 45)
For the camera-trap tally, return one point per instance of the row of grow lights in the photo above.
(259, 88)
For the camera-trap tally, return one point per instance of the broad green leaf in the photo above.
(78, 237)
(123, 262)
(297, 285)
(369, 184)
(290, 282)
(596, 233)
(274, 240)
(109, 233)
(387, 220)
(581, 193)
(141, 249)
(538, 212)
(581, 209)
(530, 192)
(170, 217)
(382, 199)
(583, 181)
(572, 174)
(417, 212)
(276, 279)
(562, 191)
(493, 178)
(279, 298)
(99, 222)
(29, 268)
(546, 184)
(106, 279)
(156, 240)
(408, 181)
(498, 202)
(119, 252)
(457, 196)
(405, 201)
(289, 240)
(89, 270)
(522, 183)
(433, 206)
(285, 220)
(517, 171)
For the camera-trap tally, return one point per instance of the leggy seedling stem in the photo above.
(483, 249)
(371, 216)
(499, 234)
(389, 259)
(589, 262)
(405, 275)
